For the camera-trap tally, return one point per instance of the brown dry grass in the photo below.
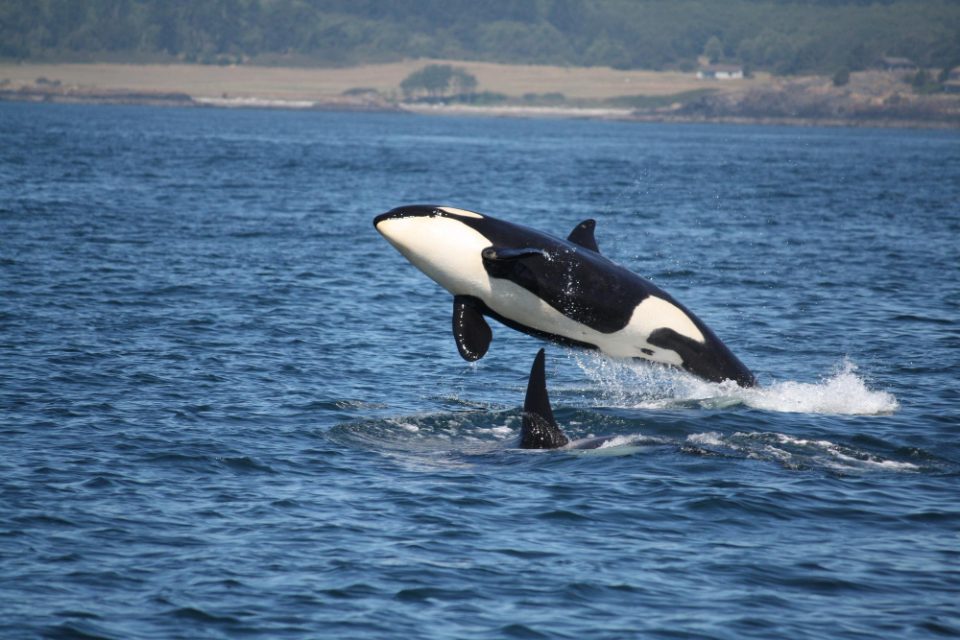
(319, 83)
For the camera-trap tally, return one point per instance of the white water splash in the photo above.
(844, 392)
(640, 385)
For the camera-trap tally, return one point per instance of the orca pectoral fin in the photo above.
(582, 235)
(539, 430)
(513, 264)
(470, 330)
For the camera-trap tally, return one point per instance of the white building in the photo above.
(721, 72)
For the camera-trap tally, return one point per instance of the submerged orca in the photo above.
(540, 429)
(559, 290)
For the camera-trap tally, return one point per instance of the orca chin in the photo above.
(561, 290)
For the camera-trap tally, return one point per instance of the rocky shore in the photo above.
(67, 94)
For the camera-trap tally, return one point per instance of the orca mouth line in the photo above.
(412, 211)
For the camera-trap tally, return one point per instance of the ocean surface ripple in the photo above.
(229, 408)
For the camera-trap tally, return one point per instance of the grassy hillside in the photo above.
(783, 36)
(574, 84)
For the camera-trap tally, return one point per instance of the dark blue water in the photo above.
(231, 409)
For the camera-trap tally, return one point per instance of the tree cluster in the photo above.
(784, 36)
(438, 80)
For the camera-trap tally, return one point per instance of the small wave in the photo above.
(199, 615)
(245, 464)
(520, 631)
(796, 453)
(255, 102)
(81, 630)
(645, 386)
(467, 432)
(622, 441)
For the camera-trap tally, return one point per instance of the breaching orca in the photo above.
(559, 290)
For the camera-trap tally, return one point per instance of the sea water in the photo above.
(230, 409)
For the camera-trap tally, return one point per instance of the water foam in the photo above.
(640, 385)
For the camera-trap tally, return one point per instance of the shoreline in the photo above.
(503, 111)
(198, 86)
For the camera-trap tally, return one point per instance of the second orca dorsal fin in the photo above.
(470, 330)
(582, 235)
(539, 430)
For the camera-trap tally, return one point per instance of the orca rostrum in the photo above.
(562, 290)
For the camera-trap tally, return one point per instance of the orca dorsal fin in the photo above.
(539, 430)
(470, 330)
(582, 235)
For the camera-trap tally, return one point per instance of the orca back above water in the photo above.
(562, 290)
